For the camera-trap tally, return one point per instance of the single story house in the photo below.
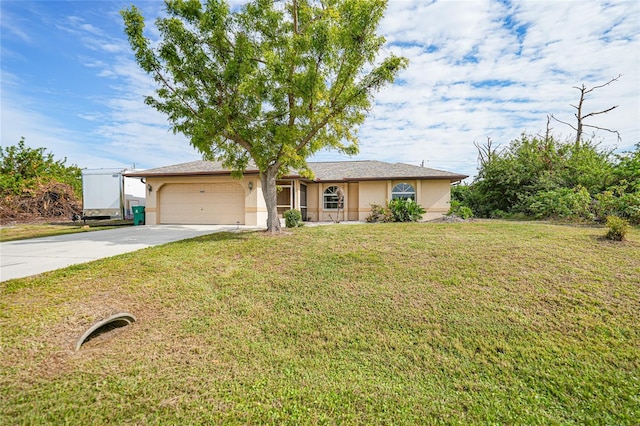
(204, 192)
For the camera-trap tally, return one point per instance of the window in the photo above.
(332, 197)
(403, 190)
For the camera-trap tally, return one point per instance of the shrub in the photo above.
(621, 200)
(396, 210)
(293, 218)
(405, 210)
(498, 214)
(459, 210)
(379, 213)
(564, 203)
(618, 228)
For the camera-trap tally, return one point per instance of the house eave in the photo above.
(455, 178)
(180, 174)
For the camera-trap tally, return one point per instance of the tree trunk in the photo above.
(270, 193)
(579, 115)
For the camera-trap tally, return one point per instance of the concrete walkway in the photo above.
(24, 258)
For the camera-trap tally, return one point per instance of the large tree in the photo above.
(273, 82)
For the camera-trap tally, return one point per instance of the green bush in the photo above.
(562, 203)
(622, 200)
(293, 218)
(618, 228)
(379, 213)
(396, 210)
(459, 210)
(405, 210)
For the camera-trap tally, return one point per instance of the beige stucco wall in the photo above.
(371, 193)
(254, 205)
(255, 209)
(433, 195)
(350, 194)
(312, 202)
(353, 201)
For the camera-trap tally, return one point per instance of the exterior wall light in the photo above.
(149, 188)
(250, 186)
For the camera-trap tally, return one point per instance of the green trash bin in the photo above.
(138, 215)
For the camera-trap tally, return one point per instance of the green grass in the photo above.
(25, 231)
(485, 322)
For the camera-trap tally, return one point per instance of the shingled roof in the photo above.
(324, 171)
(200, 167)
(376, 170)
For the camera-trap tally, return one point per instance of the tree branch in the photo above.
(605, 129)
(336, 111)
(563, 122)
(603, 85)
(600, 112)
(175, 92)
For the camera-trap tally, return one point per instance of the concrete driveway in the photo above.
(24, 258)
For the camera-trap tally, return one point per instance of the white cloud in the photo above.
(12, 26)
(484, 69)
(478, 69)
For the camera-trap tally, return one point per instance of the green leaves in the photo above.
(134, 28)
(280, 82)
(546, 178)
(535, 170)
(396, 210)
(617, 228)
(23, 168)
(276, 83)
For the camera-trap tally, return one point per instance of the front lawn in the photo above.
(485, 322)
(23, 231)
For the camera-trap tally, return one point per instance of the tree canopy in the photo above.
(546, 178)
(543, 177)
(23, 168)
(273, 82)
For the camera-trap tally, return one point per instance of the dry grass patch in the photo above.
(23, 231)
(393, 323)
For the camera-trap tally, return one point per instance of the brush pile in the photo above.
(52, 200)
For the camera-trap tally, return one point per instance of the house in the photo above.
(204, 192)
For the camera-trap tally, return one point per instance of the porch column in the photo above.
(295, 187)
(320, 203)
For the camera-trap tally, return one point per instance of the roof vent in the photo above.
(114, 321)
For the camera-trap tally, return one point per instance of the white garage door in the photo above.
(210, 204)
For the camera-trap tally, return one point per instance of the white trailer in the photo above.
(108, 194)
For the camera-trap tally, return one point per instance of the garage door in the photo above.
(211, 204)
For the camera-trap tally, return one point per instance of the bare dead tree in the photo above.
(485, 152)
(580, 116)
(547, 133)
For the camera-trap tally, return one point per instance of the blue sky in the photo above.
(478, 69)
